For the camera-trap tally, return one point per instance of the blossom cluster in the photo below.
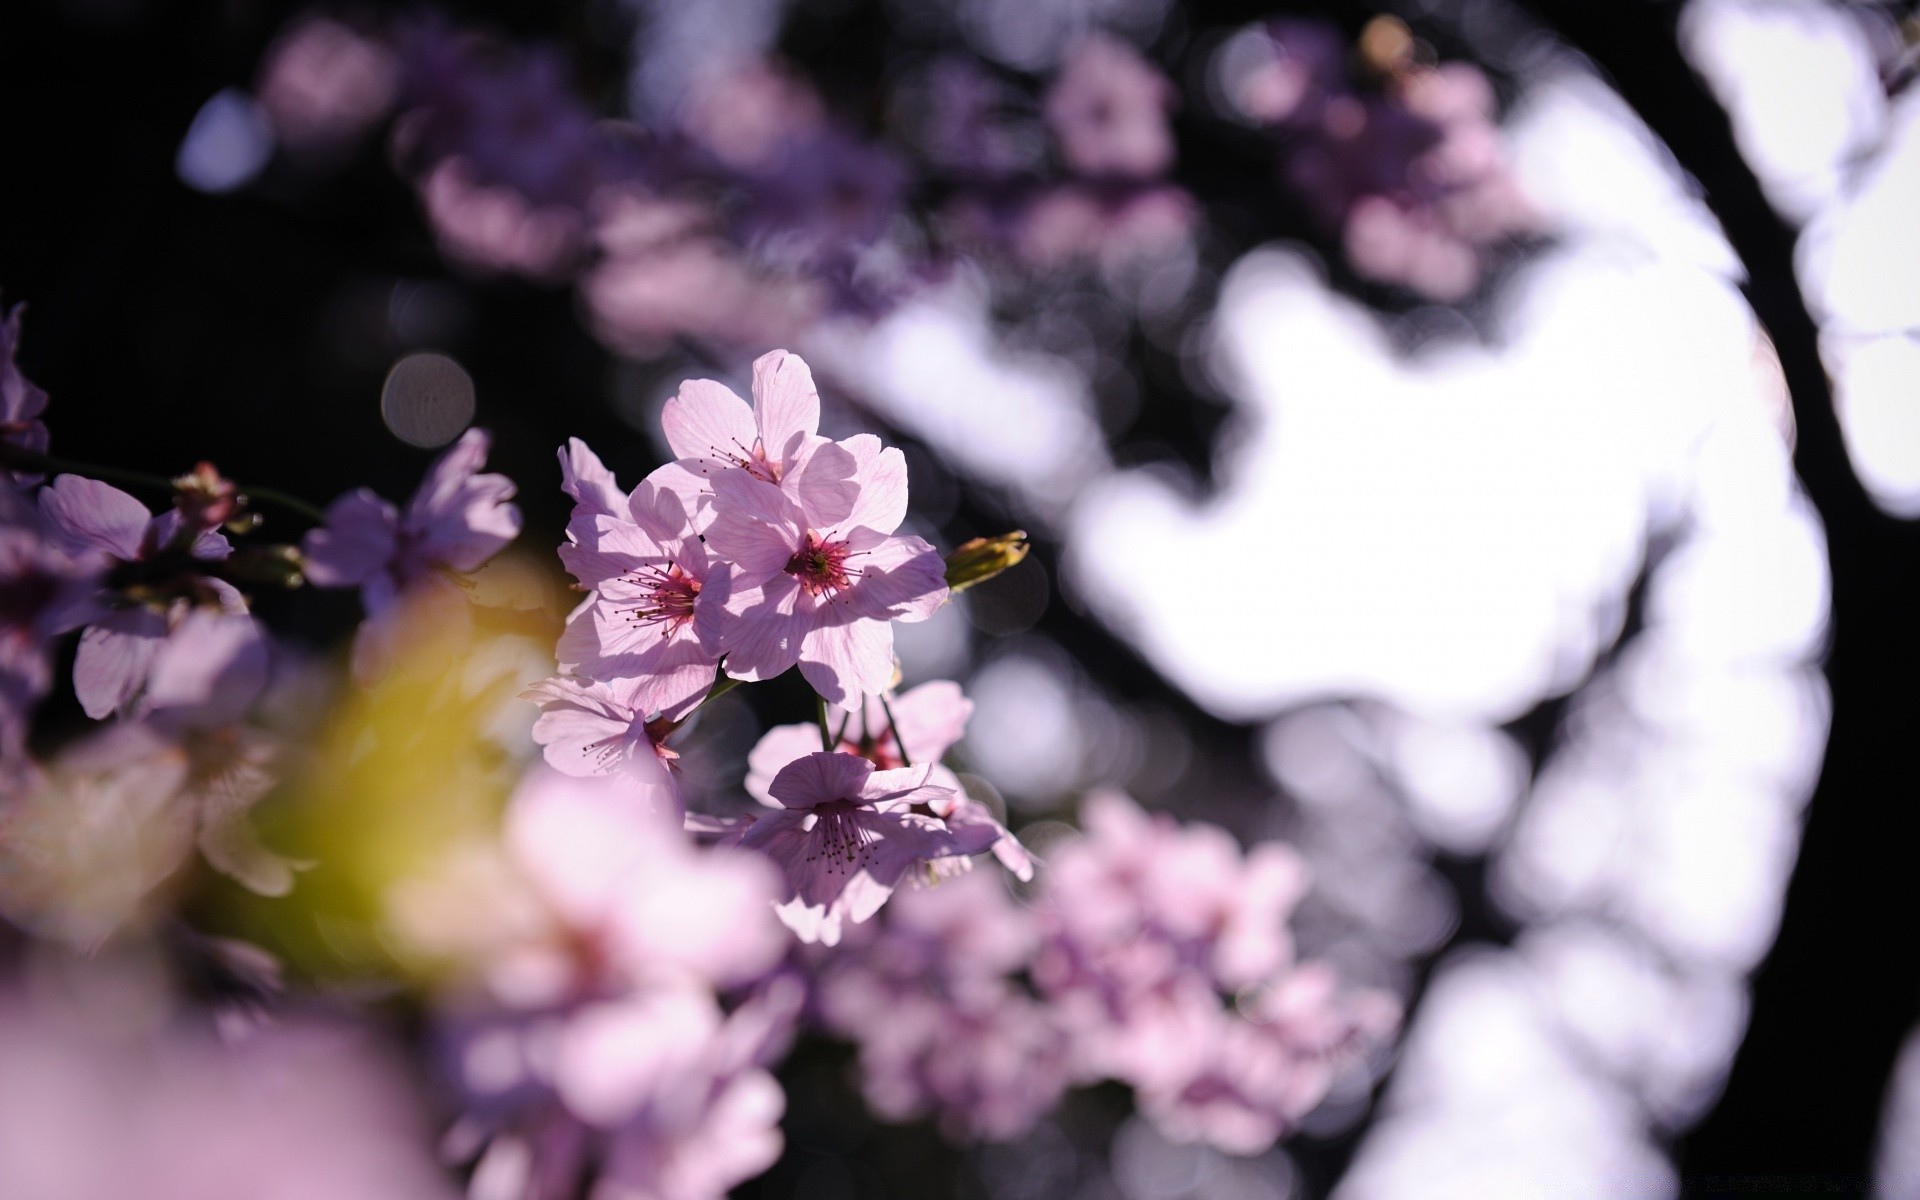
(612, 967)
(1401, 158)
(753, 209)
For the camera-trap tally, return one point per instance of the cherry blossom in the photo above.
(1109, 110)
(158, 581)
(925, 723)
(943, 1028)
(646, 624)
(822, 596)
(41, 583)
(455, 521)
(776, 441)
(1147, 925)
(847, 836)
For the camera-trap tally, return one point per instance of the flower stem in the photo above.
(721, 687)
(28, 460)
(893, 727)
(820, 714)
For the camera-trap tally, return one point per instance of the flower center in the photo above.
(840, 838)
(821, 566)
(755, 460)
(667, 598)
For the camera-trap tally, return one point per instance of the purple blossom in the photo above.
(608, 1053)
(968, 123)
(41, 584)
(656, 1095)
(847, 836)
(1406, 166)
(456, 521)
(21, 403)
(155, 583)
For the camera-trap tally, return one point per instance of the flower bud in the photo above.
(206, 499)
(980, 559)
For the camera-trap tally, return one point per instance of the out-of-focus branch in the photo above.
(1842, 986)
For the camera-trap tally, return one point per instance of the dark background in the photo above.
(251, 330)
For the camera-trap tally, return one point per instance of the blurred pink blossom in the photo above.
(295, 1111)
(1147, 925)
(456, 521)
(1108, 110)
(943, 1029)
(323, 85)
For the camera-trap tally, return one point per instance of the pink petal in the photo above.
(901, 579)
(613, 1057)
(882, 478)
(579, 840)
(93, 515)
(776, 748)
(707, 421)
(687, 478)
(459, 518)
(824, 485)
(663, 503)
(591, 553)
(845, 662)
(818, 778)
(785, 404)
(209, 670)
(761, 633)
(584, 477)
(931, 718)
(583, 733)
(755, 527)
(357, 542)
(114, 658)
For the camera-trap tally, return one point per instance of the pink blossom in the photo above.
(776, 441)
(323, 85)
(456, 521)
(609, 1053)
(846, 837)
(943, 1028)
(821, 595)
(612, 864)
(94, 1105)
(590, 728)
(927, 721)
(657, 1095)
(1148, 925)
(650, 625)
(1109, 110)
